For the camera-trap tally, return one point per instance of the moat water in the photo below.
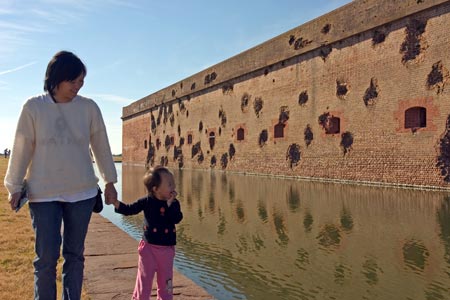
(253, 237)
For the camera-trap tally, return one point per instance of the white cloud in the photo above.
(124, 3)
(88, 5)
(5, 11)
(17, 34)
(25, 18)
(10, 41)
(6, 7)
(17, 68)
(110, 98)
(3, 85)
(21, 27)
(57, 16)
(85, 5)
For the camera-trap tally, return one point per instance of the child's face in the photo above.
(166, 189)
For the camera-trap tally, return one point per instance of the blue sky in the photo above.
(131, 48)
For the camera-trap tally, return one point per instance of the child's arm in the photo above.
(129, 209)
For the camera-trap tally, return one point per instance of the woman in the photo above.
(52, 152)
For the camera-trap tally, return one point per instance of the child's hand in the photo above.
(115, 202)
(172, 198)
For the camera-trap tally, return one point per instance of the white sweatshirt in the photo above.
(51, 148)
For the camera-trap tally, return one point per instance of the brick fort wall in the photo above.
(360, 94)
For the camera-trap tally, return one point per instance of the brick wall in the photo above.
(136, 139)
(326, 100)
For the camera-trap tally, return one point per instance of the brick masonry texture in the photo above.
(359, 95)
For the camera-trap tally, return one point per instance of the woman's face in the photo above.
(67, 90)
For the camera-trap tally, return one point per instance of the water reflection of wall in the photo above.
(312, 239)
(132, 185)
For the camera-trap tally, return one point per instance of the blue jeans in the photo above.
(47, 218)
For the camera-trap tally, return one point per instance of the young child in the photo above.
(157, 247)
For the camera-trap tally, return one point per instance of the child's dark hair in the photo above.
(64, 66)
(153, 177)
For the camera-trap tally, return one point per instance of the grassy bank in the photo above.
(17, 249)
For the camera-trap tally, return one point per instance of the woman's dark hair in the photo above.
(153, 177)
(64, 66)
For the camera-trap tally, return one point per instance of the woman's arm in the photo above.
(102, 154)
(22, 152)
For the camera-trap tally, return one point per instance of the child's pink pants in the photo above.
(159, 259)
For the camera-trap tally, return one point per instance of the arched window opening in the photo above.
(158, 143)
(416, 117)
(172, 141)
(278, 131)
(240, 134)
(145, 144)
(212, 140)
(189, 139)
(333, 126)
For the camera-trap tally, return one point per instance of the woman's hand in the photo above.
(14, 200)
(110, 193)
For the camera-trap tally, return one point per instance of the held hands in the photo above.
(110, 194)
(14, 200)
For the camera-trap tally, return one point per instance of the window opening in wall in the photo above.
(212, 140)
(158, 143)
(278, 131)
(172, 140)
(240, 134)
(416, 117)
(145, 144)
(189, 139)
(334, 126)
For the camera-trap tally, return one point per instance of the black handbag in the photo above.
(98, 207)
